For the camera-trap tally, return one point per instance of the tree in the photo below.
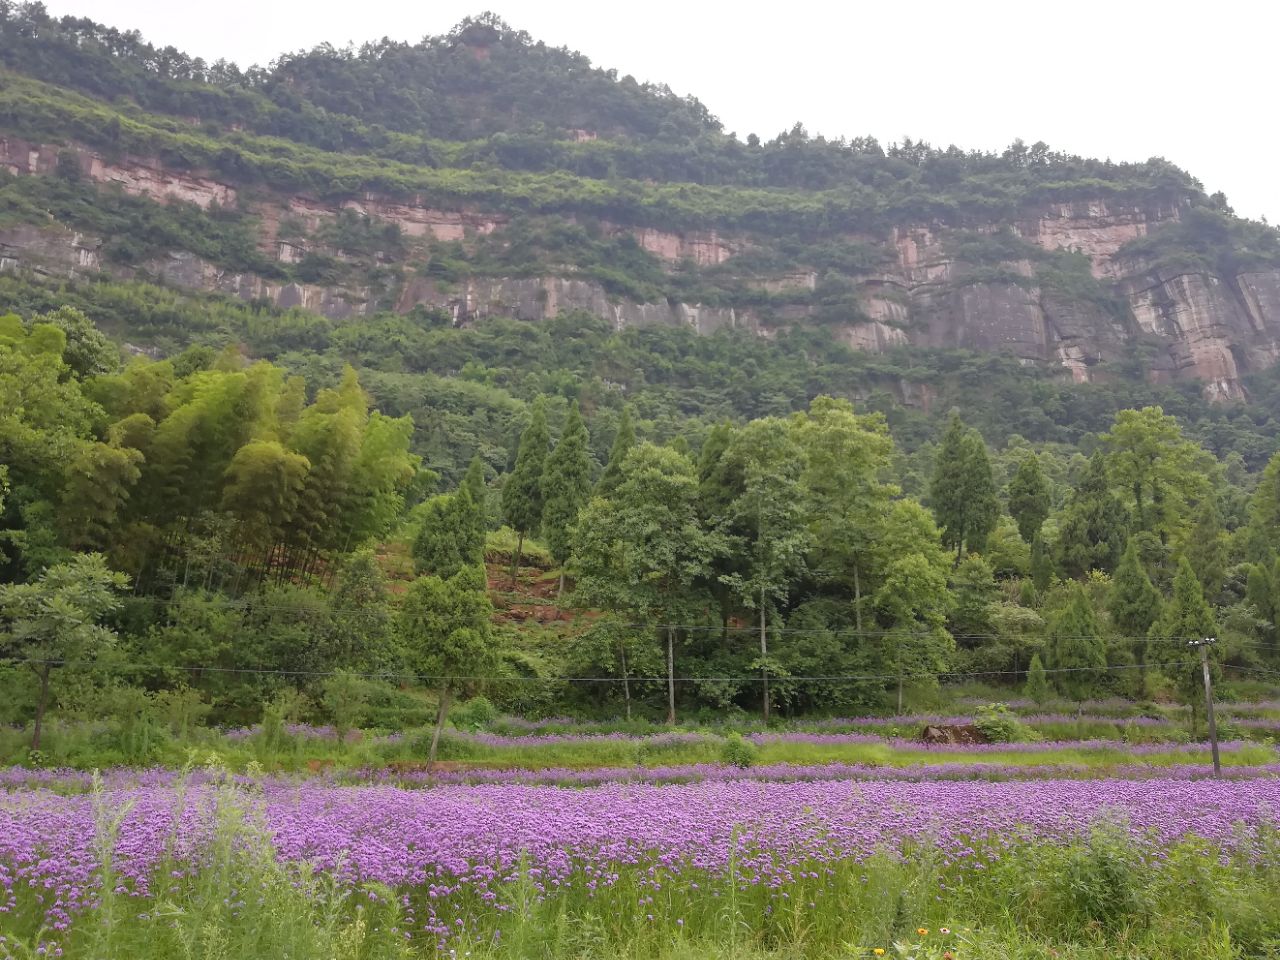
(444, 626)
(1206, 548)
(522, 493)
(567, 486)
(846, 499)
(57, 620)
(963, 493)
(447, 537)
(1185, 617)
(1134, 602)
(1041, 564)
(623, 441)
(767, 517)
(1094, 524)
(1037, 681)
(974, 591)
(1029, 497)
(913, 604)
(1076, 647)
(1158, 468)
(642, 551)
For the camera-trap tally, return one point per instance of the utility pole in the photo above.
(1208, 700)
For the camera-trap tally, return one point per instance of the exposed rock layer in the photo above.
(1209, 327)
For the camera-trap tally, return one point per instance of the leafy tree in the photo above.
(1185, 617)
(522, 493)
(913, 603)
(623, 441)
(963, 491)
(88, 352)
(1029, 497)
(767, 517)
(846, 498)
(642, 551)
(567, 486)
(1076, 647)
(57, 620)
(1037, 689)
(444, 627)
(1094, 524)
(1160, 470)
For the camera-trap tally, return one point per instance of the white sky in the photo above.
(1125, 79)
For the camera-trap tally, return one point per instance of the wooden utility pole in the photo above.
(1208, 701)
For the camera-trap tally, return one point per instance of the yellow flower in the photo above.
(878, 951)
(923, 931)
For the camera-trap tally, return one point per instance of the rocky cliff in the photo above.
(1201, 323)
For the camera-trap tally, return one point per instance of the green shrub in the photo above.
(999, 724)
(737, 751)
(474, 714)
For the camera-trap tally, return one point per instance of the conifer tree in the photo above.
(1206, 548)
(623, 441)
(1186, 616)
(566, 486)
(963, 491)
(522, 494)
(1134, 603)
(1029, 500)
(1037, 681)
(1041, 564)
(1076, 648)
(1094, 524)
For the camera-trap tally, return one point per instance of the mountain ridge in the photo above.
(1054, 260)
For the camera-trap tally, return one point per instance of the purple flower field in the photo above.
(450, 850)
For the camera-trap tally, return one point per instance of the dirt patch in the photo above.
(957, 733)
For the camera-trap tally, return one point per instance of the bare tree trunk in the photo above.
(857, 600)
(764, 655)
(560, 591)
(515, 560)
(626, 682)
(42, 704)
(671, 676)
(442, 711)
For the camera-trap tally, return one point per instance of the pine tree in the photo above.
(1206, 548)
(623, 441)
(1037, 681)
(522, 494)
(1029, 499)
(1185, 617)
(567, 486)
(1259, 592)
(1094, 524)
(963, 492)
(1041, 564)
(1075, 646)
(1134, 602)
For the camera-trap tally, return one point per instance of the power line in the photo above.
(427, 678)
(249, 605)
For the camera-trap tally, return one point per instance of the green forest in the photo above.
(218, 511)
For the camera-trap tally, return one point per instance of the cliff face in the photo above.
(1203, 325)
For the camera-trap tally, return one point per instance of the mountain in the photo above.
(482, 177)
